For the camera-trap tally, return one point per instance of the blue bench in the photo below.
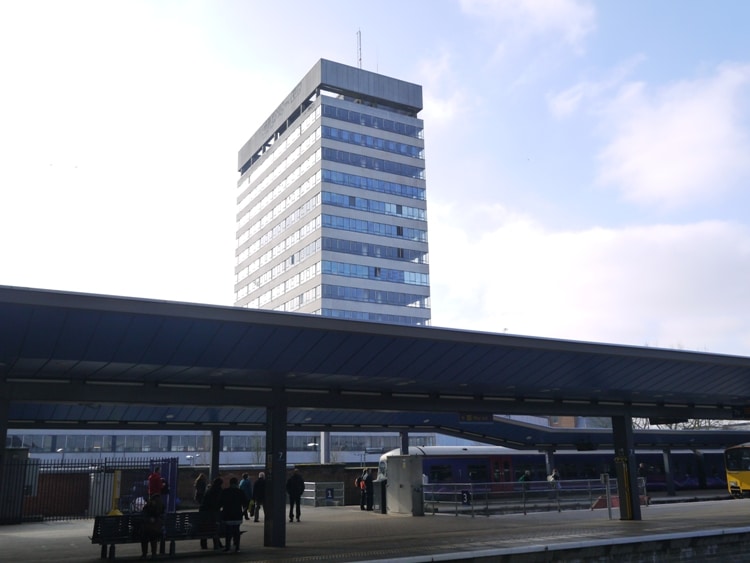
(112, 530)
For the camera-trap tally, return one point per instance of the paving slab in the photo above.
(347, 534)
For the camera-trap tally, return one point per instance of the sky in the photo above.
(588, 163)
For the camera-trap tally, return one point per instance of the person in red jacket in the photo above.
(155, 482)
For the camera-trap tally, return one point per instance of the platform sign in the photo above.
(476, 417)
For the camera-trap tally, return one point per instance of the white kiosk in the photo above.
(404, 489)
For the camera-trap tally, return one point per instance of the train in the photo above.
(737, 464)
(689, 469)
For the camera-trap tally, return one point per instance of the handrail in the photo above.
(510, 497)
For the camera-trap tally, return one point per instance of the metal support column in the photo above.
(4, 409)
(215, 451)
(325, 447)
(668, 474)
(274, 530)
(404, 436)
(627, 476)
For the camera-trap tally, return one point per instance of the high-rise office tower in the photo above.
(331, 201)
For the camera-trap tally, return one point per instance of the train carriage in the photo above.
(496, 464)
(737, 464)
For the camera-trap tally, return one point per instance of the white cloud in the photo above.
(672, 286)
(570, 20)
(565, 103)
(120, 159)
(445, 100)
(679, 145)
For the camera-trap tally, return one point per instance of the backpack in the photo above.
(358, 482)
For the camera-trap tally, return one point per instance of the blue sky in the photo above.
(588, 163)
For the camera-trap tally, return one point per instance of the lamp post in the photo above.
(62, 452)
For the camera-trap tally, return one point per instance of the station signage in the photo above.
(476, 418)
(742, 412)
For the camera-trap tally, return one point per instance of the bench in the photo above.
(112, 530)
(190, 526)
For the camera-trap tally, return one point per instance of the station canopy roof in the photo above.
(101, 361)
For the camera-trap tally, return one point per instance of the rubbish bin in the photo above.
(382, 484)
(417, 501)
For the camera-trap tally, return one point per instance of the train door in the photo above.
(501, 469)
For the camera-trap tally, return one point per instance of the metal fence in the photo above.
(34, 490)
(532, 496)
(323, 494)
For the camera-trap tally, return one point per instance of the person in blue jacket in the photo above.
(246, 486)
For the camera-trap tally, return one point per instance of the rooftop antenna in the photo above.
(359, 48)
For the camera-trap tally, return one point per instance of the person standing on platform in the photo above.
(200, 485)
(369, 488)
(642, 471)
(211, 509)
(295, 486)
(360, 483)
(259, 495)
(155, 482)
(554, 479)
(233, 501)
(153, 522)
(246, 486)
(525, 479)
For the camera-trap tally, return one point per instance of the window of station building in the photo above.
(191, 443)
(75, 443)
(243, 443)
(39, 443)
(130, 443)
(99, 443)
(36, 443)
(302, 443)
(420, 441)
(156, 443)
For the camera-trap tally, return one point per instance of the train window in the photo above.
(738, 459)
(440, 473)
(478, 473)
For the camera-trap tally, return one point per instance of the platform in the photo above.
(347, 534)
